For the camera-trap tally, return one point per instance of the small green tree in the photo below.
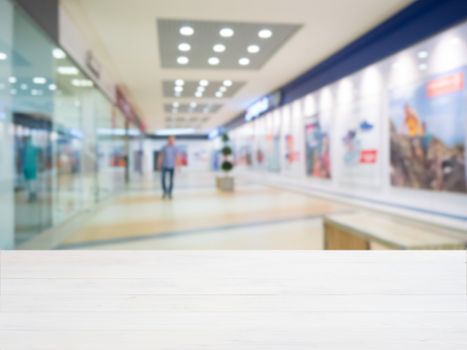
(227, 164)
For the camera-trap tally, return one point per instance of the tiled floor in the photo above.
(200, 217)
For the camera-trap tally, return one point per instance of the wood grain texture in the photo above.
(94, 300)
(336, 238)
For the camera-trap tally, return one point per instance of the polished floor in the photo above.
(230, 300)
(200, 217)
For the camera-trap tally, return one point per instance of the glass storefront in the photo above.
(59, 152)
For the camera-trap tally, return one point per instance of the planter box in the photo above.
(225, 184)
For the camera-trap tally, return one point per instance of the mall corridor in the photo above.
(199, 217)
(233, 174)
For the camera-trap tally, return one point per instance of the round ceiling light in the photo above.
(178, 89)
(219, 94)
(265, 34)
(228, 82)
(58, 54)
(187, 31)
(244, 61)
(184, 47)
(214, 61)
(253, 49)
(179, 82)
(182, 60)
(199, 94)
(226, 32)
(218, 48)
(204, 83)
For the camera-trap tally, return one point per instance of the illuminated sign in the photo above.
(264, 105)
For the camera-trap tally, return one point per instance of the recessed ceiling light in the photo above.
(199, 94)
(184, 47)
(67, 70)
(24, 86)
(187, 31)
(179, 82)
(228, 82)
(52, 87)
(214, 61)
(422, 66)
(218, 48)
(244, 61)
(226, 32)
(58, 54)
(193, 104)
(182, 60)
(12, 80)
(204, 83)
(223, 89)
(39, 80)
(265, 34)
(200, 89)
(178, 89)
(422, 54)
(3, 56)
(253, 49)
(219, 94)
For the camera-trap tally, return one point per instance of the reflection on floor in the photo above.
(200, 217)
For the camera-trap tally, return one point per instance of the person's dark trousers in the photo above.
(167, 188)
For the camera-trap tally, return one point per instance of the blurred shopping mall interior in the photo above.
(298, 125)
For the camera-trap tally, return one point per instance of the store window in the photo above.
(54, 160)
(6, 138)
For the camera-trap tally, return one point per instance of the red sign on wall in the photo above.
(127, 109)
(368, 156)
(446, 84)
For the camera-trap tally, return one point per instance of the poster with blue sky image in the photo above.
(359, 143)
(428, 133)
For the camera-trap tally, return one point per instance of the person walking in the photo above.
(168, 163)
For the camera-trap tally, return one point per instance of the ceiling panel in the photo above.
(206, 88)
(243, 46)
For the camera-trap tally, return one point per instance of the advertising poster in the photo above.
(291, 153)
(260, 152)
(244, 151)
(273, 153)
(428, 134)
(182, 158)
(359, 138)
(317, 141)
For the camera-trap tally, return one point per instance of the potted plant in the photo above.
(226, 183)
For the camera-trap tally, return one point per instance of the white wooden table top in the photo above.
(115, 300)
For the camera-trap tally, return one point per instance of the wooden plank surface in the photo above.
(90, 300)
